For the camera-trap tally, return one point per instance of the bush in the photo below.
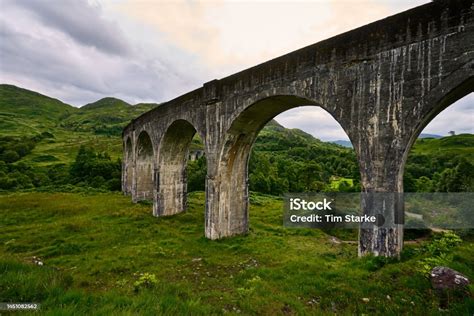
(443, 243)
(96, 170)
(10, 156)
(145, 280)
(438, 252)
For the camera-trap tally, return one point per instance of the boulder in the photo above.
(444, 278)
(449, 285)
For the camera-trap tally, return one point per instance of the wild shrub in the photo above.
(95, 170)
(145, 280)
(438, 251)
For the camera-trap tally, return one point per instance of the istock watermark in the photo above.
(379, 209)
(301, 204)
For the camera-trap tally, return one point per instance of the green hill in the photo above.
(462, 144)
(25, 112)
(31, 104)
(441, 165)
(108, 116)
(99, 124)
(106, 103)
(275, 137)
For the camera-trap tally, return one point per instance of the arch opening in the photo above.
(464, 89)
(438, 166)
(144, 168)
(233, 166)
(172, 172)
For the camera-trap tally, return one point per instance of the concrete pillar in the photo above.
(171, 178)
(172, 189)
(385, 238)
(226, 207)
(144, 182)
(227, 190)
(127, 167)
(382, 196)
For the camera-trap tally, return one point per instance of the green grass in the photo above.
(95, 246)
(336, 182)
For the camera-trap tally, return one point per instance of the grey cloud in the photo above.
(45, 58)
(80, 21)
(37, 58)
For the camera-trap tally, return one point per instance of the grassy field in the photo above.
(95, 247)
(64, 147)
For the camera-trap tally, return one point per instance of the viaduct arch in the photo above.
(382, 82)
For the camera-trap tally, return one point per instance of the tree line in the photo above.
(276, 166)
(90, 169)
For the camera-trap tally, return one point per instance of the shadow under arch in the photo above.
(230, 215)
(171, 171)
(128, 167)
(144, 182)
(460, 91)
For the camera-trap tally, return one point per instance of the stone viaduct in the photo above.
(383, 82)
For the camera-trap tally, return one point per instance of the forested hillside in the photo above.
(441, 165)
(44, 142)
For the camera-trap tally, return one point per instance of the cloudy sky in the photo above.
(152, 51)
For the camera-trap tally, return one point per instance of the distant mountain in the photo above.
(348, 144)
(31, 104)
(461, 145)
(422, 135)
(27, 112)
(273, 124)
(344, 143)
(107, 116)
(106, 103)
(275, 137)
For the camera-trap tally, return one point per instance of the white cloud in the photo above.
(232, 35)
(313, 120)
(76, 66)
(458, 117)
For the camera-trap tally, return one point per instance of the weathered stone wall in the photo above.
(171, 177)
(382, 82)
(144, 166)
(127, 167)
